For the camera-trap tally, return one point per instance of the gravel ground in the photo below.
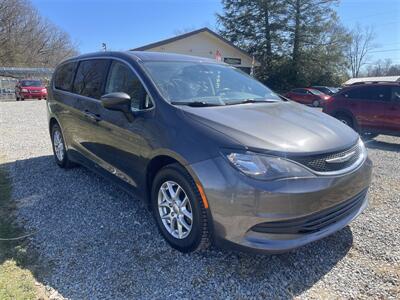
(99, 243)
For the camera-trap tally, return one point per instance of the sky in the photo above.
(127, 24)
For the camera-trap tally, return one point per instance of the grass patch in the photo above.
(16, 283)
(16, 261)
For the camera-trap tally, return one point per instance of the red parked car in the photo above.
(307, 96)
(370, 109)
(30, 89)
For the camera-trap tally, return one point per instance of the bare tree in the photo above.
(27, 39)
(360, 46)
(383, 68)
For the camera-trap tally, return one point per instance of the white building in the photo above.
(204, 43)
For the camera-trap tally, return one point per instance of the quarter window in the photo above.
(122, 79)
(90, 77)
(64, 76)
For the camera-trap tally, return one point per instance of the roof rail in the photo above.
(372, 81)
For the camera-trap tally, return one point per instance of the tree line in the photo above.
(29, 40)
(298, 42)
(382, 68)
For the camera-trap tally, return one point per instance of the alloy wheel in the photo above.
(175, 209)
(59, 148)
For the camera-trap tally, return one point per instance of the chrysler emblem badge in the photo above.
(341, 159)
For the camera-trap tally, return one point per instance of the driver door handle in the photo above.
(92, 116)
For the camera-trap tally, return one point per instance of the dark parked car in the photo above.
(370, 109)
(307, 96)
(328, 90)
(217, 156)
(30, 89)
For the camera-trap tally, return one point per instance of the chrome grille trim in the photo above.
(318, 164)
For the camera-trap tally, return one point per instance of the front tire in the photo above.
(179, 211)
(346, 120)
(368, 135)
(59, 148)
(316, 103)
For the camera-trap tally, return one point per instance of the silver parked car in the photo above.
(217, 155)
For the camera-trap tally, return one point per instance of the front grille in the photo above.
(314, 222)
(319, 163)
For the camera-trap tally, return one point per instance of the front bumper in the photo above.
(33, 95)
(239, 205)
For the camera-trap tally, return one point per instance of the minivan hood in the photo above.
(281, 126)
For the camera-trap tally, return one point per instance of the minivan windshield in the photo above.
(206, 83)
(36, 83)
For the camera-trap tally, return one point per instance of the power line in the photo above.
(390, 44)
(387, 50)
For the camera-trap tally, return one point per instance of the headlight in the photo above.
(266, 167)
(362, 147)
(44, 90)
(24, 90)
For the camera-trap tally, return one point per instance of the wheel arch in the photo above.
(160, 160)
(347, 113)
(156, 163)
(53, 121)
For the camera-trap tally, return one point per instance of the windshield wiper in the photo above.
(195, 103)
(251, 101)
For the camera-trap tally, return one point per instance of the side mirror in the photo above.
(118, 101)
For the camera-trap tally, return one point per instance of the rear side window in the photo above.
(299, 91)
(64, 76)
(375, 93)
(90, 77)
(369, 93)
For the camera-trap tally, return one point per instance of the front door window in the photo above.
(122, 79)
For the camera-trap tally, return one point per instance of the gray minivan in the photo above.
(218, 157)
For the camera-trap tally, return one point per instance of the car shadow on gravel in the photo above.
(101, 243)
(382, 145)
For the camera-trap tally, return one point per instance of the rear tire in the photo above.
(179, 210)
(59, 148)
